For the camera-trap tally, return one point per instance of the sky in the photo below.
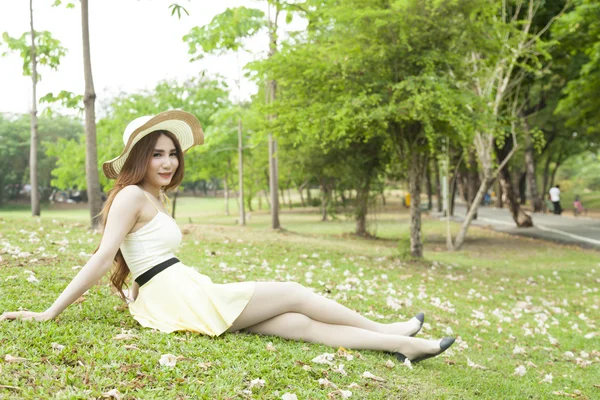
(134, 44)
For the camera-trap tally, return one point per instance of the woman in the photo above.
(139, 238)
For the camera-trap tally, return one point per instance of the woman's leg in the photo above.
(274, 298)
(297, 326)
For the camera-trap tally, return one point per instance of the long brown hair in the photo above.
(133, 173)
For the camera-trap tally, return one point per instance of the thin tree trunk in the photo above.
(453, 187)
(273, 172)
(300, 190)
(523, 188)
(362, 203)
(308, 196)
(242, 218)
(174, 202)
(415, 173)
(438, 186)
(536, 200)
(35, 200)
(545, 179)
(521, 219)
(499, 195)
(289, 196)
(324, 198)
(91, 148)
(429, 189)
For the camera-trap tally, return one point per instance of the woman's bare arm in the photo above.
(122, 216)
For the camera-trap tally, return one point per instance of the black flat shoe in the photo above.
(445, 344)
(421, 317)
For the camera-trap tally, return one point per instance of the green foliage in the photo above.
(176, 8)
(49, 51)
(579, 33)
(225, 32)
(14, 145)
(66, 99)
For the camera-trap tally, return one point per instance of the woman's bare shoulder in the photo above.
(131, 195)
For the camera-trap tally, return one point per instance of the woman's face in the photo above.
(163, 163)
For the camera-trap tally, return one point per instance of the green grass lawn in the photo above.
(513, 302)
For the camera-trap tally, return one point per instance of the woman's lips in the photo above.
(166, 176)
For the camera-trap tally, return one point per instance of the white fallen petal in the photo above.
(257, 383)
(547, 379)
(520, 370)
(32, 279)
(324, 358)
(407, 363)
(569, 354)
(327, 383)
(518, 350)
(10, 359)
(270, 347)
(168, 360)
(114, 393)
(340, 370)
(57, 347)
(289, 396)
(390, 364)
(124, 336)
(369, 375)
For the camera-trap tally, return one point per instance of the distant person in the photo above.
(578, 208)
(555, 199)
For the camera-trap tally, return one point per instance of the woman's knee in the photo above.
(297, 324)
(297, 294)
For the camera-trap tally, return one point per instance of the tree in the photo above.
(509, 44)
(45, 50)
(89, 99)
(226, 32)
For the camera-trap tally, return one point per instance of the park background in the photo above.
(349, 146)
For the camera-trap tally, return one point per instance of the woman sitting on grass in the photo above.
(139, 237)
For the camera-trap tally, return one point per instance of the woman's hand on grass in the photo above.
(25, 316)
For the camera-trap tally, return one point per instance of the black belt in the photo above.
(146, 276)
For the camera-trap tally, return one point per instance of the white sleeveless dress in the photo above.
(178, 298)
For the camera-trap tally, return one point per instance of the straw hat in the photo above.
(183, 125)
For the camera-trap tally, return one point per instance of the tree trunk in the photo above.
(521, 219)
(174, 202)
(499, 195)
(91, 147)
(267, 198)
(473, 182)
(453, 187)
(308, 195)
(362, 204)
(523, 188)
(429, 189)
(300, 191)
(273, 172)
(537, 202)
(324, 198)
(33, 181)
(415, 173)
(545, 179)
(242, 218)
(472, 211)
(438, 186)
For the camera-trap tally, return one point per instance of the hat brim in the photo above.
(183, 125)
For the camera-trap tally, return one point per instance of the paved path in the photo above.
(582, 231)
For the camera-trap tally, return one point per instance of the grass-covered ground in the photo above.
(516, 304)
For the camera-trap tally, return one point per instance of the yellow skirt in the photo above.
(181, 299)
